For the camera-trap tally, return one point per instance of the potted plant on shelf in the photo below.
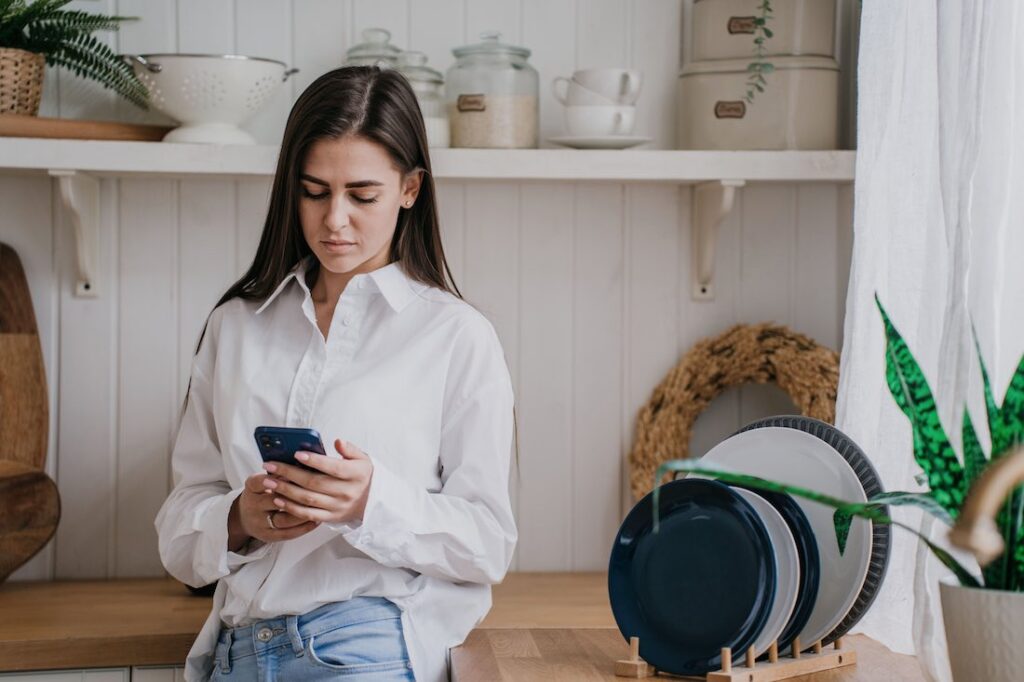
(983, 614)
(34, 35)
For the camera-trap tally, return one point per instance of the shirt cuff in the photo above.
(382, 527)
(213, 559)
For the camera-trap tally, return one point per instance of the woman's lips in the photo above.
(338, 247)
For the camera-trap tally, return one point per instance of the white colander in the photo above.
(210, 95)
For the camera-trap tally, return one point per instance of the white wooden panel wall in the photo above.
(587, 283)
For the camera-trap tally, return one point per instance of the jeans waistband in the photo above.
(271, 633)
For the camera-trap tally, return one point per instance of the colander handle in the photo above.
(150, 66)
(287, 73)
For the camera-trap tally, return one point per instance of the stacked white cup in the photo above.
(599, 102)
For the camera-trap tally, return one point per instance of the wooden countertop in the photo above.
(537, 623)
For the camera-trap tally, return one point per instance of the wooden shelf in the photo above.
(116, 158)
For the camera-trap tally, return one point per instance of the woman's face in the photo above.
(349, 201)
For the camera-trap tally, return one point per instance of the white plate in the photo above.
(787, 569)
(599, 142)
(799, 458)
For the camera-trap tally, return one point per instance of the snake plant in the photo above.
(64, 38)
(948, 479)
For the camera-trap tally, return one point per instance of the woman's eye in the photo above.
(364, 200)
(315, 197)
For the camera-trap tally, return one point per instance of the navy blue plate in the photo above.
(810, 564)
(705, 581)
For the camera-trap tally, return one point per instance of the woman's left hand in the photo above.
(335, 493)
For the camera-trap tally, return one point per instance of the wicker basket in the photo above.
(21, 81)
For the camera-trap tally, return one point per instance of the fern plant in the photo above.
(64, 38)
(948, 480)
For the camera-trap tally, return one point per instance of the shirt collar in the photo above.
(391, 280)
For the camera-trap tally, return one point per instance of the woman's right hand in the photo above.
(248, 516)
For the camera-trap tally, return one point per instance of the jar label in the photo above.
(730, 109)
(472, 103)
(742, 25)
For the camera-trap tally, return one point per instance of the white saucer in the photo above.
(798, 458)
(599, 141)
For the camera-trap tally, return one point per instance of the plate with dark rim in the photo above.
(799, 458)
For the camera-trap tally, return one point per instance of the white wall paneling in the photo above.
(587, 282)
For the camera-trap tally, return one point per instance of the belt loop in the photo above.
(225, 654)
(292, 623)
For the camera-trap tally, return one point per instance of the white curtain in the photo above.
(939, 236)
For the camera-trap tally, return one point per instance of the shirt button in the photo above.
(347, 320)
(264, 634)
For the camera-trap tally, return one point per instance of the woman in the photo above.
(375, 564)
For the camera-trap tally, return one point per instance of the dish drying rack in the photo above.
(817, 659)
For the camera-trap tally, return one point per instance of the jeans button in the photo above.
(264, 634)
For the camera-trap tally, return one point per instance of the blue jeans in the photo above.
(358, 640)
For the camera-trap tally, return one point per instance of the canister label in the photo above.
(730, 109)
(472, 103)
(742, 25)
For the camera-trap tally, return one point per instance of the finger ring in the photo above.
(270, 520)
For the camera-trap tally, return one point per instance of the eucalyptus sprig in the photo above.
(64, 38)
(757, 69)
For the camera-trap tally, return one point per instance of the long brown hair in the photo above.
(375, 104)
(378, 105)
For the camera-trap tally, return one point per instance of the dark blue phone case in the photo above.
(280, 443)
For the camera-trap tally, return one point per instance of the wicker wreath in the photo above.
(760, 353)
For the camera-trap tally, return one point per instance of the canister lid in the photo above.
(413, 66)
(490, 43)
(375, 46)
(780, 62)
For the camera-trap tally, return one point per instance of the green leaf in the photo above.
(921, 500)
(932, 449)
(974, 457)
(1005, 425)
(871, 511)
(768, 32)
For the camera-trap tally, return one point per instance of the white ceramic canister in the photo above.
(725, 29)
(799, 108)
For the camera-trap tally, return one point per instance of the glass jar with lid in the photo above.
(375, 50)
(428, 85)
(492, 95)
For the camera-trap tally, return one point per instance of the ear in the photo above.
(411, 186)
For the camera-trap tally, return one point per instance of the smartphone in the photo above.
(280, 443)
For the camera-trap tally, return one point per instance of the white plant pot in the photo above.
(984, 633)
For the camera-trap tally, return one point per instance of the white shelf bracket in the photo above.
(712, 202)
(80, 194)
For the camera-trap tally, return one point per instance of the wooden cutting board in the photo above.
(17, 125)
(29, 502)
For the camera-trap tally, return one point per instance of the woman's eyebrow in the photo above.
(349, 185)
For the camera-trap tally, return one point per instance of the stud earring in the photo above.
(408, 204)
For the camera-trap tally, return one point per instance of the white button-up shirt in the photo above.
(411, 375)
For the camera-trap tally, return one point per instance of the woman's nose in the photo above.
(337, 213)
